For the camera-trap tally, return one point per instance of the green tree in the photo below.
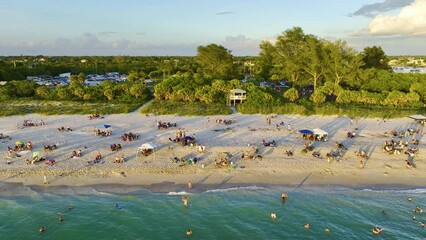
(344, 62)
(318, 97)
(265, 61)
(215, 61)
(291, 94)
(109, 93)
(375, 57)
(288, 54)
(42, 92)
(136, 76)
(137, 90)
(315, 58)
(419, 88)
(63, 93)
(77, 79)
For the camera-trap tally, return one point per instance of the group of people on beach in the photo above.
(99, 132)
(165, 125)
(75, 154)
(95, 115)
(63, 129)
(130, 136)
(29, 123)
(226, 121)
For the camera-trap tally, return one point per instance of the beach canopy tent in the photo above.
(36, 154)
(306, 131)
(419, 118)
(320, 134)
(104, 126)
(146, 149)
(188, 138)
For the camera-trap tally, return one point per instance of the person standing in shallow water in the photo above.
(185, 201)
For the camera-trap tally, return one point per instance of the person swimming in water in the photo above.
(118, 206)
(284, 196)
(418, 209)
(377, 230)
(60, 217)
(70, 207)
(422, 224)
(307, 226)
(189, 232)
(42, 229)
(273, 216)
(185, 201)
(409, 199)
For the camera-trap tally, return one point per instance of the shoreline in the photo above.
(173, 189)
(200, 183)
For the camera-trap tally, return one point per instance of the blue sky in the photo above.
(177, 27)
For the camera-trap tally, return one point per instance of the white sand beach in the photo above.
(275, 167)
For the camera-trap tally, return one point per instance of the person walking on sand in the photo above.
(360, 164)
(45, 180)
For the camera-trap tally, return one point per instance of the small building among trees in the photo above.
(236, 96)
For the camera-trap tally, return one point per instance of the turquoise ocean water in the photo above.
(232, 213)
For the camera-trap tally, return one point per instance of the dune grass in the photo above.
(163, 107)
(22, 107)
(306, 109)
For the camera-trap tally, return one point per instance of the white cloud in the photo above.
(392, 45)
(89, 44)
(410, 21)
(107, 33)
(241, 45)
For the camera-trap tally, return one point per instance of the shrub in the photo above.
(291, 94)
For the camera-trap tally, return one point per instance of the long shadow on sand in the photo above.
(302, 182)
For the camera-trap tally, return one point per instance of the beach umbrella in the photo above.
(306, 131)
(107, 126)
(19, 143)
(36, 154)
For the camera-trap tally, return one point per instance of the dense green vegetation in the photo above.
(26, 106)
(324, 77)
(22, 97)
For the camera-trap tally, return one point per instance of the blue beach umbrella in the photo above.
(306, 131)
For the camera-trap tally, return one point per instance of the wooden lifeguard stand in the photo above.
(236, 96)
